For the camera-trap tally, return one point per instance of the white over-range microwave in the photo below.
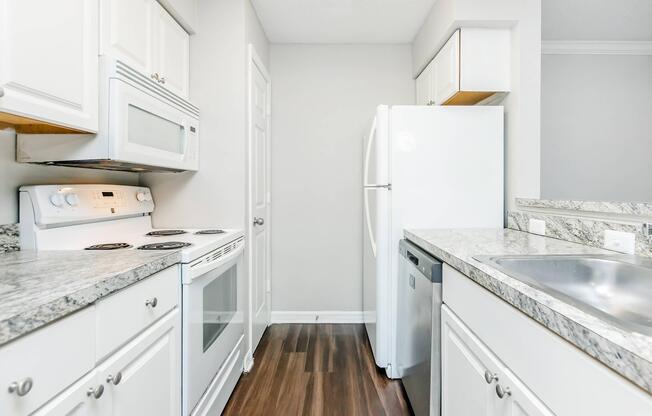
(143, 128)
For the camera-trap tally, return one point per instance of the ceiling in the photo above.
(342, 21)
(611, 20)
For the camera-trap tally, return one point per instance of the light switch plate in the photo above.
(620, 241)
(537, 227)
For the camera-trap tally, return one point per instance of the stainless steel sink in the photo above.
(615, 288)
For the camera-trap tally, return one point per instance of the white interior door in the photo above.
(259, 198)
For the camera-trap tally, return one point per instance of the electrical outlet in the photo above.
(620, 241)
(537, 227)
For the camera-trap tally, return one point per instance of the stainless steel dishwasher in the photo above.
(419, 328)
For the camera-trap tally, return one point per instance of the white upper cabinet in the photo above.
(446, 70)
(49, 65)
(142, 34)
(473, 65)
(173, 52)
(127, 33)
(423, 87)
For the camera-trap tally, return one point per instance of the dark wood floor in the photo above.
(316, 370)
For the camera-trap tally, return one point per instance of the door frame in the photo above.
(254, 60)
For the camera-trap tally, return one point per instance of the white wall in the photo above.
(596, 116)
(323, 100)
(522, 105)
(13, 175)
(215, 195)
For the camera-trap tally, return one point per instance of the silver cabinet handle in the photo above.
(114, 379)
(95, 392)
(151, 302)
(155, 77)
(22, 387)
(2, 92)
(259, 221)
(490, 377)
(502, 392)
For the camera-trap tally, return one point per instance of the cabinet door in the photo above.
(143, 378)
(172, 52)
(446, 70)
(519, 401)
(423, 85)
(49, 64)
(464, 388)
(84, 398)
(127, 33)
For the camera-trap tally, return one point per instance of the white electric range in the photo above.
(117, 217)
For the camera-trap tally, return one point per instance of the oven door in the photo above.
(148, 130)
(212, 320)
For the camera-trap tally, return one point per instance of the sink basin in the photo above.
(615, 288)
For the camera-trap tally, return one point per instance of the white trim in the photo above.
(248, 362)
(590, 47)
(317, 317)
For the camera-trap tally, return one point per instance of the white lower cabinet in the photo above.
(84, 398)
(143, 378)
(474, 382)
(490, 349)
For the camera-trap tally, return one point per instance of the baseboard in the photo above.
(248, 363)
(316, 317)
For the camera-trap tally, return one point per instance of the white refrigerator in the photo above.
(424, 167)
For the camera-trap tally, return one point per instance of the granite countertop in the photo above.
(627, 353)
(37, 288)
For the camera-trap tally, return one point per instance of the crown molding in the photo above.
(590, 47)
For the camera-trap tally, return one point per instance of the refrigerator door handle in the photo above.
(372, 136)
(370, 229)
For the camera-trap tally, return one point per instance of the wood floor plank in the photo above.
(316, 369)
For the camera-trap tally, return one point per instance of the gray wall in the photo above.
(13, 175)
(323, 100)
(596, 127)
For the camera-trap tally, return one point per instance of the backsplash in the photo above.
(584, 224)
(9, 240)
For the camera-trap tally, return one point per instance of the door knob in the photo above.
(259, 221)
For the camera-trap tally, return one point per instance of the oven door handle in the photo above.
(201, 268)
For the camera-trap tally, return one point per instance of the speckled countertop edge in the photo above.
(628, 354)
(34, 315)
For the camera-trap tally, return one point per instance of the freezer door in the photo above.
(375, 271)
(376, 150)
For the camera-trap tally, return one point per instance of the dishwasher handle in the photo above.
(424, 262)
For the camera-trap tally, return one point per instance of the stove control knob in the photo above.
(72, 199)
(56, 200)
(140, 196)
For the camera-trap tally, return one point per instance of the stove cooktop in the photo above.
(210, 232)
(164, 233)
(166, 245)
(108, 246)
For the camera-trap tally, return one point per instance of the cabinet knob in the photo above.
(114, 379)
(22, 387)
(502, 392)
(155, 76)
(259, 221)
(162, 80)
(490, 377)
(151, 302)
(95, 392)
(2, 92)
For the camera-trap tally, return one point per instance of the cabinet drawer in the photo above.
(124, 315)
(53, 357)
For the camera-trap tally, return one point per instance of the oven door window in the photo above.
(220, 305)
